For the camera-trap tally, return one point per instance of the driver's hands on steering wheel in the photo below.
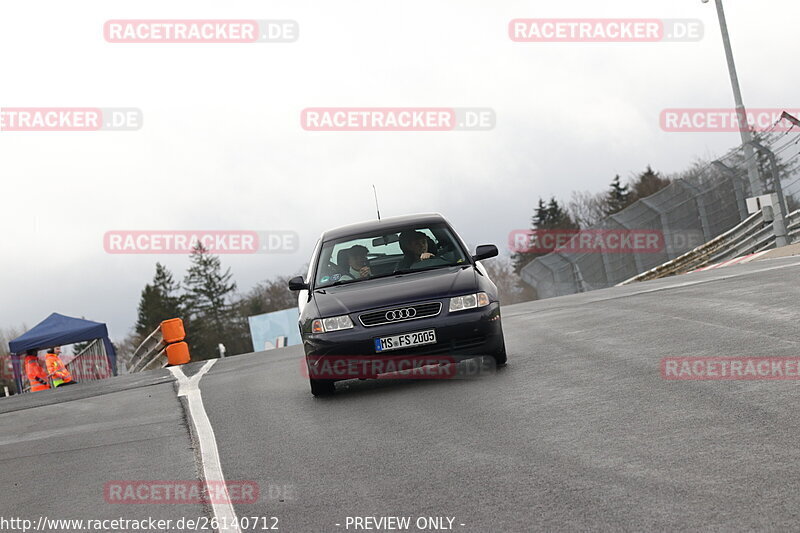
(426, 255)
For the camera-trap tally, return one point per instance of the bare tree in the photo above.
(6, 335)
(586, 208)
(125, 349)
(510, 287)
(9, 334)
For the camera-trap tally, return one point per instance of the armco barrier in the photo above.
(707, 204)
(754, 234)
(162, 347)
(793, 226)
(702, 208)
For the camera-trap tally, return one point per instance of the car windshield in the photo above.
(381, 254)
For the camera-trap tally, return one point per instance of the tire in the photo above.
(499, 356)
(322, 387)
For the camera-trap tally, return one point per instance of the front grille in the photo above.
(400, 314)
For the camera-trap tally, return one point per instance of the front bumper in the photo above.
(472, 332)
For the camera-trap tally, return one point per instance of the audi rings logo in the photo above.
(401, 314)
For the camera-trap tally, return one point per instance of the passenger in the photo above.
(36, 374)
(342, 264)
(358, 265)
(414, 245)
(56, 368)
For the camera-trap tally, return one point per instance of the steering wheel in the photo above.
(433, 261)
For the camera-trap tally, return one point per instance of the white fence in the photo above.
(91, 363)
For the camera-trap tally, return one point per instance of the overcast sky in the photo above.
(222, 148)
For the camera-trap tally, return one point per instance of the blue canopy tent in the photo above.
(58, 330)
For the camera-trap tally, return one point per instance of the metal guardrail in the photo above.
(150, 354)
(691, 210)
(793, 226)
(755, 234)
(706, 201)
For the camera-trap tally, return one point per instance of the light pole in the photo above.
(744, 129)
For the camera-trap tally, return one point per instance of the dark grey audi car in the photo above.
(402, 286)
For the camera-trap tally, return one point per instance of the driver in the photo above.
(358, 265)
(414, 245)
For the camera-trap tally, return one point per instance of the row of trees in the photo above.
(587, 209)
(584, 210)
(209, 304)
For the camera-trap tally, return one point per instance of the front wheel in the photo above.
(322, 387)
(499, 356)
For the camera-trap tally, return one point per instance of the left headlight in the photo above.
(335, 323)
(470, 301)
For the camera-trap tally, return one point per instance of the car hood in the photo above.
(395, 290)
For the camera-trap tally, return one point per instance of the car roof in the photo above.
(387, 224)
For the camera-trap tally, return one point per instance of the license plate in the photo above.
(405, 340)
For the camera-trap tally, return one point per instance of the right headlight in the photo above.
(470, 301)
(323, 325)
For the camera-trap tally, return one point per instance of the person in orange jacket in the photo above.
(56, 368)
(36, 374)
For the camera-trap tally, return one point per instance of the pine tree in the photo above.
(557, 217)
(78, 347)
(618, 197)
(208, 290)
(159, 301)
(647, 183)
(546, 216)
(540, 215)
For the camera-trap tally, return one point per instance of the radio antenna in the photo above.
(378, 209)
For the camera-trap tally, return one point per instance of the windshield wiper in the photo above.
(412, 270)
(342, 282)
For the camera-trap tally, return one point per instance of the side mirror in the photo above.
(297, 284)
(485, 251)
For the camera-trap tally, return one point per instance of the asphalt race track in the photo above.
(578, 432)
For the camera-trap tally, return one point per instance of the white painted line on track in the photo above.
(735, 261)
(209, 455)
(710, 280)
